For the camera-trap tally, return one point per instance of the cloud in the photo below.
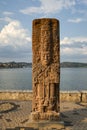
(83, 1)
(77, 20)
(73, 40)
(32, 10)
(15, 41)
(49, 6)
(7, 13)
(74, 48)
(6, 16)
(6, 19)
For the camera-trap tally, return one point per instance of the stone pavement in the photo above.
(15, 115)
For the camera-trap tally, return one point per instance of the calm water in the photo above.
(21, 79)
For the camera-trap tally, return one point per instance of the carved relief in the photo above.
(46, 76)
(45, 45)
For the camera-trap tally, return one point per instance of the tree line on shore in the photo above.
(25, 65)
(73, 65)
(15, 65)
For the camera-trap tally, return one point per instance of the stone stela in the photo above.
(46, 69)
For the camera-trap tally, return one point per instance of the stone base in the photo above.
(51, 116)
(46, 125)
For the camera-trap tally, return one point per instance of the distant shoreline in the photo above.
(8, 65)
(73, 65)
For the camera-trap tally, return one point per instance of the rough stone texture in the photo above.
(84, 96)
(72, 96)
(46, 69)
(16, 95)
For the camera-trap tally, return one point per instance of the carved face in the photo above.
(45, 47)
(45, 57)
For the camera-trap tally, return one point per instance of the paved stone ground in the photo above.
(14, 114)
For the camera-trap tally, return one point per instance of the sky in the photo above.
(16, 28)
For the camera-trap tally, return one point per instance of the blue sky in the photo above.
(16, 28)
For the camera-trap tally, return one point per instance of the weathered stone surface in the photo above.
(84, 96)
(16, 95)
(46, 69)
(47, 125)
(71, 96)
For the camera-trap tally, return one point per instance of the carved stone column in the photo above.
(46, 69)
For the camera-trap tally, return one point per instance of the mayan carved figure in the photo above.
(46, 69)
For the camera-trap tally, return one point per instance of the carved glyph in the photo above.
(46, 69)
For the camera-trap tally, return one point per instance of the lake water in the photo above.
(21, 79)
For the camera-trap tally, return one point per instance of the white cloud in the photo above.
(6, 19)
(31, 10)
(74, 51)
(49, 6)
(67, 50)
(67, 40)
(6, 13)
(77, 20)
(14, 41)
(73, 40)
(74, 48)
(14, 33)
